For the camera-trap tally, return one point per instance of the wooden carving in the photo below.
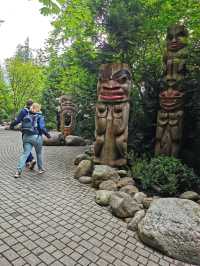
(112, 113)
(67, 115)
(170, 116)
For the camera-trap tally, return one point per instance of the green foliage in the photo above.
(165, 175)
(5, 106)
(49, 106)
(26, 81)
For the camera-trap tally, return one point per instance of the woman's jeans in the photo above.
(30, 141)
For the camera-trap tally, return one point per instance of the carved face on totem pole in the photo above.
(170, 117)
(67, 115)
(175, 57)
(112, 113)
(177, 36)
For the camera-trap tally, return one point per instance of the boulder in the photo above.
(80, 158)
(147, 202)
(172, 225)
(129, 189)
(122, 173)
(123, 205)
(74, 141)
(133, 224)
(139, 197)
(102, 173)
(125, 181)
(85, 179)
(103, 197)
(108, 185)
(56, 139)
(84, 169)
(190, 195)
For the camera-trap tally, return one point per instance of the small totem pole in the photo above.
(112, 113)
(67, 115)
(170, 116)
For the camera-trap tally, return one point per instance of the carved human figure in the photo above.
(67, 115)
(169, 123)
(170, 117)
(112, 113)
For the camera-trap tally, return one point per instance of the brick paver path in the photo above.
(52, 219)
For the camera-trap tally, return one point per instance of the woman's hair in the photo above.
(29, 103)
(36, 107)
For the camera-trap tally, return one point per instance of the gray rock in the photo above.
(102, 173)
(172, 226)
(56, 139)
(84, 169)
(80, 158)
(139, 197)
(123, 205)
(125, 181)
(74, 141)
(108, 185)
(133, 224)
(103, 197)
(191, 195)
(85, 179)
(122, 173)
(129, 189)
(147, 202)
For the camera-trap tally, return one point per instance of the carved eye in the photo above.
(122, 80)
(169, 36)
(181, 34)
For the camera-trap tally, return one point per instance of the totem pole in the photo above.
(67, 115)
(112, 113)
(170, 116)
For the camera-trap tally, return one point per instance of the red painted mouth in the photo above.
(112, 94)
(112, 98)
(175, 46)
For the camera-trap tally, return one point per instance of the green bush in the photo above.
(164, 175)
(50, 125)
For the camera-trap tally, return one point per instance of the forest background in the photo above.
(87, 33)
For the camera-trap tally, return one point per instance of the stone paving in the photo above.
(51, 219)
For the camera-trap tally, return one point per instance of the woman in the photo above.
(33, 126)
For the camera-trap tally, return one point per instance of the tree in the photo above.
(5, 106)
(24, 52)
(26, 80)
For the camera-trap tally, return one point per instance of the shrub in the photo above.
(165, 175)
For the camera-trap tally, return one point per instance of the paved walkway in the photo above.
(52, 219)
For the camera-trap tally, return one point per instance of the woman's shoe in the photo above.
(17, 174)
(32, 164)
(41, 171)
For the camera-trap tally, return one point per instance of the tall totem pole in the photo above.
(112, 113)
(170, 116)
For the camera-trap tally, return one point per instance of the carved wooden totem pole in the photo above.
(67, 115)
(170, 117)
(112, 113)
